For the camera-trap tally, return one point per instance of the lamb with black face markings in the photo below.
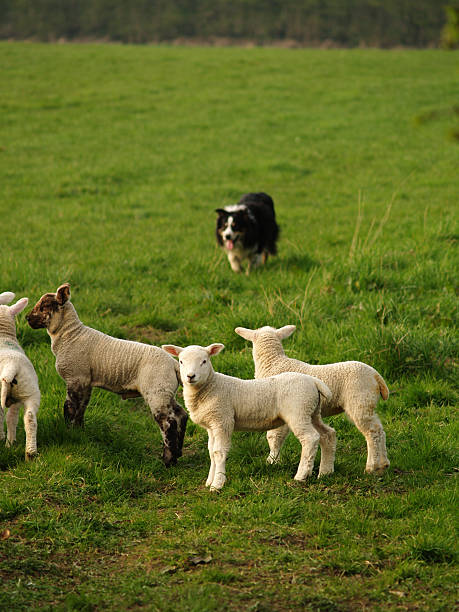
(87, 358)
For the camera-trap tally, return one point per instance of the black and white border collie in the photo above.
(248, 231)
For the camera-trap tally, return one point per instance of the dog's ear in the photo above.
(63, 294)
(222, 212)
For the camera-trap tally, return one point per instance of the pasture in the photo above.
(112, 161)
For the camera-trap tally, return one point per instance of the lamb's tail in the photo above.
(383, 389)
(323, 389)
(6, 377)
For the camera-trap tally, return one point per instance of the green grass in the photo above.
(112, 160)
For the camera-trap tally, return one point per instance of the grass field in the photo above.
(112, 161)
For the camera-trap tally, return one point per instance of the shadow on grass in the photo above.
(10, 457)
(115, 445)
(432, 549)
(295, 262)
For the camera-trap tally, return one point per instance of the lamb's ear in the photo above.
(214, 349)
(63, 294)
(171, 349)
(6, 297)
(285, 332)
(19, 306)
(248, 334)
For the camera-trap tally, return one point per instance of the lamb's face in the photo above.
(43, 312)
(194, 360)
(48, 311)
(195, 365)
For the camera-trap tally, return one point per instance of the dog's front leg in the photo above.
(255, 261)
(235, 262)
(77, 399)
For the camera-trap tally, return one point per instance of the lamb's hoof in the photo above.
(218, 483)
(168, 458)
(325, 473)
(215, 489)
(30, 456)
(377, 469)
(8, 444)
(271, 460)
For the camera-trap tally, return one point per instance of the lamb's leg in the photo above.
(210, 446)
(12, 417)
(31, 406)
(2, 418)
(220, 448)
(276, 438)
(327, 443)
(77, 399)
(368, 423)
(171, 420)
(309, 440)
(182, 419)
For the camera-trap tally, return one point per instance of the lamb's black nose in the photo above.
(190, 377)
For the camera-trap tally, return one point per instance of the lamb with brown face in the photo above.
(87, 358)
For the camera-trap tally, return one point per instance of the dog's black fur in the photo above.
(248, 230)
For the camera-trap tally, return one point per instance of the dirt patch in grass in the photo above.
(147, 333)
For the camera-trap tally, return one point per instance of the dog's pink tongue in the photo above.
(230, 244)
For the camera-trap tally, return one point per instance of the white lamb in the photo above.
(19, 382)
(222, 403)
(356, 388)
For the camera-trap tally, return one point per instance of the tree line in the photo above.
(348, 23)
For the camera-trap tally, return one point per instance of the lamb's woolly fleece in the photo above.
(19, 382)
(356, 388)
(87, 358)
(222, 403)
